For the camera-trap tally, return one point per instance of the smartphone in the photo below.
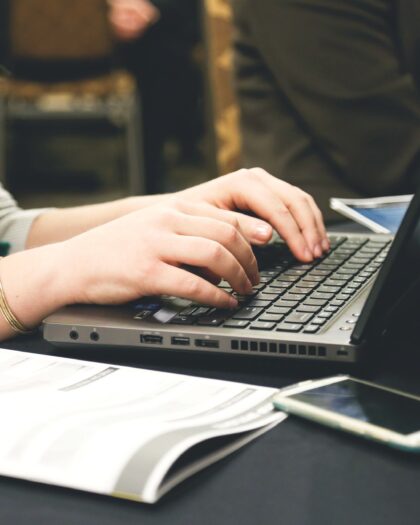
(372, 411)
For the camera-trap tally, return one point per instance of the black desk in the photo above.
(299, 473)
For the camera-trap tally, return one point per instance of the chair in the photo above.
(223, 109)
(61, 55)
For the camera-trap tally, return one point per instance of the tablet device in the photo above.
(380, 214)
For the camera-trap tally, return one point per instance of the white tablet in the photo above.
(380, 214)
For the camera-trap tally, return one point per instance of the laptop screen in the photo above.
(399, 275)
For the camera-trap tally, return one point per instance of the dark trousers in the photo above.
(328, 95)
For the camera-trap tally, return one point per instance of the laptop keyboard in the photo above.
(296, 297)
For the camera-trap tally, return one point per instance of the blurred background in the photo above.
(101, 99)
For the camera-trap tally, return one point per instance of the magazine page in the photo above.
(117, 430)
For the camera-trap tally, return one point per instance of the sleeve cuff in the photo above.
(17, 230)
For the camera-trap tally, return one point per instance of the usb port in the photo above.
(151, 339)
(342, 353)
(181, 341)
(207, 343)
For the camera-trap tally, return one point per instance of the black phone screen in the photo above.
(367, 403)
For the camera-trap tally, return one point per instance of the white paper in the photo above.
(116, 430)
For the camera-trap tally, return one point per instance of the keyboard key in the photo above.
(258, 303)
(311, 329)
(202, 311)
(264, 296)
(331, 308)
(299, 317)
(293, 297)
(319, 295)
(288, 327)
(325, 315)
(262, 325)
(346, 291)
(280, 284)
(271, 318)
(286, 278)
(315, 302)
(236, 323)
(210, 321)
(248, 312)
(328, 289)
(341, 297)
(319, 272)
(337, 302)
(314, 279)
(188, 311)
(307, 308)
(318, 321)
(182, 319)
(294, 271)
(299, 290)
(285, 304)
(269, 273)
(306, 285)
(278, 309)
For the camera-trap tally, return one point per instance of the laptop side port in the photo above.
(207, 343)
(151, 339)
(181, 341)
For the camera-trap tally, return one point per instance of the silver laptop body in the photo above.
(342, 336)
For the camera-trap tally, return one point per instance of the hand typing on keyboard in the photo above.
(116, 252)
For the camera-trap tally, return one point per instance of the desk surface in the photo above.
(298, 473)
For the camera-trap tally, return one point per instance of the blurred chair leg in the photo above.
(134, 138)
(3, 147)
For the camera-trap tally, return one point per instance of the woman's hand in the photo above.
(289, 210)
(148, 252)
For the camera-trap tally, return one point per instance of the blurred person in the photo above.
(329, 93)
(157, 38)
(118, 251)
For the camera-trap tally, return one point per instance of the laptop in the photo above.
(329, 310)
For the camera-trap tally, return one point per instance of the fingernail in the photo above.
(317, 250)
(233, 303)
(308, 254)
(263, 232)
(256, 279)
(248, 286)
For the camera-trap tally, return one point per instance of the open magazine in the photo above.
(379, 214)
(120, 431)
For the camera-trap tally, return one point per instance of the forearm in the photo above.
(61, 224)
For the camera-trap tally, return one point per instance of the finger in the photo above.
(302, 207)
(205, 273)
(254, 230)
(221, 232)
(206, 253)
(181, 283)
(325, 242)
(258, 197)
(298, 203)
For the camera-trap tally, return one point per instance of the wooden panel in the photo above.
(59, 29)
(218, 21)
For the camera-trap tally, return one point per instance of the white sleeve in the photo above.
(15, 223)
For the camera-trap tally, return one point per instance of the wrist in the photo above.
(35, 284)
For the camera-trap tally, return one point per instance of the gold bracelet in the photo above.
(9, 316)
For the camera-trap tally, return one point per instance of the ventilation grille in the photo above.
(278, 348)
